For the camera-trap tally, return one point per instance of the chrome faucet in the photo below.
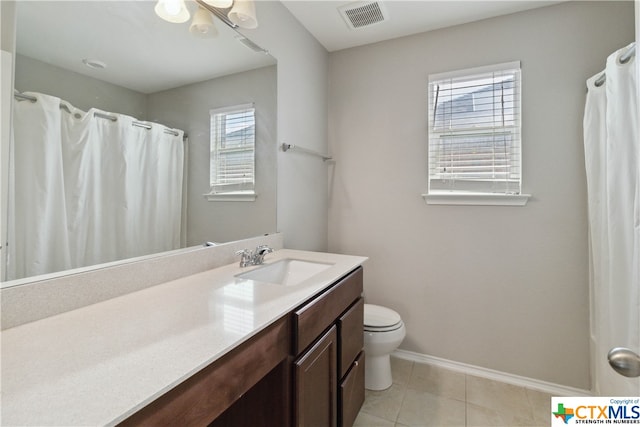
(256, 257)
(259, 253)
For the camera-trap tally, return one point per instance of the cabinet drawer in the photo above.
(313, 318)
(351, 335)
(351, 394)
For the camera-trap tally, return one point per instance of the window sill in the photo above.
(477, 199)
(238, 196)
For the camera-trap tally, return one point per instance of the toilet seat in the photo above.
(380, 319)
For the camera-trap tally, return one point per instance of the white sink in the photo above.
(286, 272)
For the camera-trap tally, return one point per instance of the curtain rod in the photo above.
(286, 147)
(30, 98)
(624, 58)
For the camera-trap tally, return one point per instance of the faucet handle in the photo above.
(246, 257)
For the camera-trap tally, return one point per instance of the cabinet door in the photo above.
(315, 391)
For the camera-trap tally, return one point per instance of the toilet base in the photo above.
(377, 372)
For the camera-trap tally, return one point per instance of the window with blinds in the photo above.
(474, 131)
(233, 137)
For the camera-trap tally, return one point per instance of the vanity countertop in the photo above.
(99, 364)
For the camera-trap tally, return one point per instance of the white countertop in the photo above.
(101, 363)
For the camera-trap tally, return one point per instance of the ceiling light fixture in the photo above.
(174, 11)
(243, 14)
(202, 24)
(234, 13)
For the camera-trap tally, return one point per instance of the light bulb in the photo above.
(173, 11)
(172, 7)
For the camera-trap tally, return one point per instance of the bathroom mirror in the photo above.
(120, 57)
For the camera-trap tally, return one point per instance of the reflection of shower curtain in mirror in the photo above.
(89, 190)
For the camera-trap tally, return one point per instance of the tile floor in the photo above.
(423, 395)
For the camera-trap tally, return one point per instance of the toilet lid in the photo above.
(380, 317)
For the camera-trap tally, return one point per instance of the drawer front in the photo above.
(351, 394)
(351, 340)
(312, 319)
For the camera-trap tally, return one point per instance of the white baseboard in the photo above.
(543, 386)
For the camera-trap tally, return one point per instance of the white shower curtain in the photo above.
(89, 190)
(612, 151)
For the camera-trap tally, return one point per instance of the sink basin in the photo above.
(286, 272)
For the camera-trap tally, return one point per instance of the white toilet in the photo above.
(383, 333)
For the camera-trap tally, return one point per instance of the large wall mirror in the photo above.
(118, 59)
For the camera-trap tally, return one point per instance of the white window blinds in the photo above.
(474, 130)
(232, 166)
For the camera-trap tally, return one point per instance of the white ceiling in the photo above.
(147, 54)
(142, 52)
(324, 22)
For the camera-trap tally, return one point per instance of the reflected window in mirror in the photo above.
(232, 153)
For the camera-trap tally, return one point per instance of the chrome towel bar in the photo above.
(287, 147)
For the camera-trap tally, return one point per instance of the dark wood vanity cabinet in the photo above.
(304, 370)
(247, 386)
(328, 376)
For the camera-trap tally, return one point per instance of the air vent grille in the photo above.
(363, 14)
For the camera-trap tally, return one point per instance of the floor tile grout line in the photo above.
(466, 416)
(404, 393)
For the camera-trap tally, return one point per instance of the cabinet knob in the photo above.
(355, 363)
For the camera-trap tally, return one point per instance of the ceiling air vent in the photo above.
(363, 14)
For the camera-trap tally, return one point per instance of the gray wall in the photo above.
(504, 288)
(302, 120)
(188, 108)
(81, 91)
(8, 28)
